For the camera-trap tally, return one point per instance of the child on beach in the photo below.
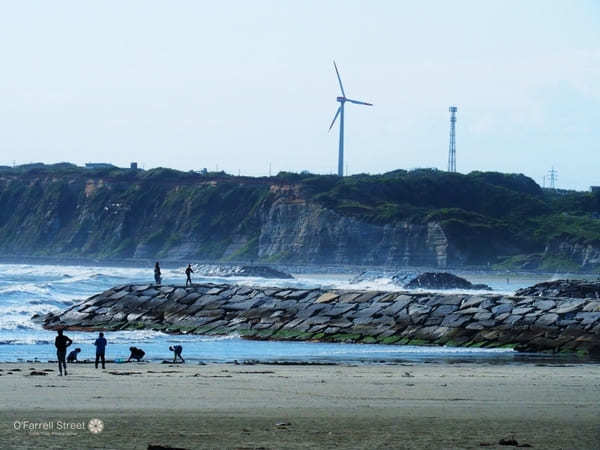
(136, 353)
(73, 355)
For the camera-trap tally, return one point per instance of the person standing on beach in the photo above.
(188, 273)
(100, 344)
(61, 343)
(157, 274)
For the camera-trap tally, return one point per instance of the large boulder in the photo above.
(563, 288)
(442, 280)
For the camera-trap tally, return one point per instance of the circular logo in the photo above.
(95, 426)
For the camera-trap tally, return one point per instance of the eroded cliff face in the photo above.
(298, 231)
(234, 220)
(402, 219)
(586, 256)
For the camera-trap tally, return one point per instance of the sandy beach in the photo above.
(306, 406)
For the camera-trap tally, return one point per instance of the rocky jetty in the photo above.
(443, 280)
(564, 288)
(488, 320)
(241, 271)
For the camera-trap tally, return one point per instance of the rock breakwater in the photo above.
(525, 323)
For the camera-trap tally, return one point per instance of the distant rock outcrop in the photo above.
(443, 280)
(564, 288)
(399, 278)
(242, 271)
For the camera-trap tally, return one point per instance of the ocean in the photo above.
(27, 289)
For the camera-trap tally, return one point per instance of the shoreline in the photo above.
(340, 406)
(325, 268)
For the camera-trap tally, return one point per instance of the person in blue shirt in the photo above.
(100, 349)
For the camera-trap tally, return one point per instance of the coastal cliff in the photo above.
(418, 218)
(525, 323)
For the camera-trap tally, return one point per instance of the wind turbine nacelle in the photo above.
(341, 99)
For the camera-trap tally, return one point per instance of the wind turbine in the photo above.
(340, 112)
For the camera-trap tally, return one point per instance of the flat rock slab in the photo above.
(567, 307)
(327, 297)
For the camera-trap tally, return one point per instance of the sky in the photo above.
(243, 85)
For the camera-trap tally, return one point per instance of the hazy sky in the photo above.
(239, 84)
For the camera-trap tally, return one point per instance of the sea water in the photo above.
(27, 289)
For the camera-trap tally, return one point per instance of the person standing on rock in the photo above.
(188, 273)
(157, 274)
(61, 343)
(100, 344)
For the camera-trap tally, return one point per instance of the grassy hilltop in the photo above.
(488, 218)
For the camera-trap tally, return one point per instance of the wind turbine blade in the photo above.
(359, 103)
(339, 79)
(335, 117)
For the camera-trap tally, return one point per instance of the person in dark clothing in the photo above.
(157, 274)
(72, 357)
(100, 344)
(136, 353)
(61, 343)
(177, 349)
(188, 273)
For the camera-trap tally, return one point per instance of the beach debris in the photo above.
(283, 424)
(211, 376)
(37, 372)
(407, 375)
(163, 447)
(257, 371)
(125, 373)
(512, 442)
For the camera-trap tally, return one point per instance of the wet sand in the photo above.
(191, 406)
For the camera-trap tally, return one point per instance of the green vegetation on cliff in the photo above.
(487, 218)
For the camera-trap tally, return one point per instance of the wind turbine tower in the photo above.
(340, 112)
(452, 148)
